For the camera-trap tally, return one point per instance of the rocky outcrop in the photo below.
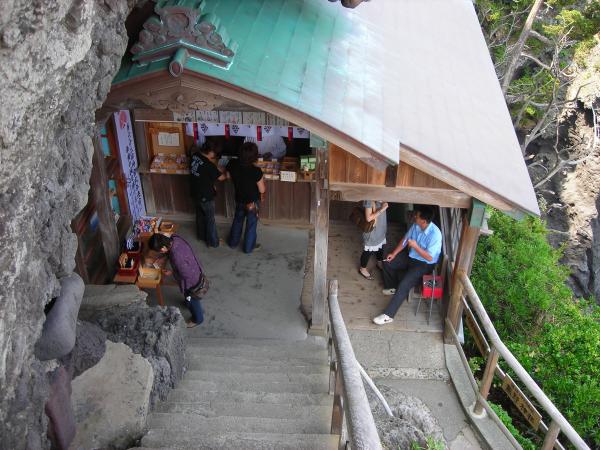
(413, 422)
(90, 345)
(155, 333)
(111, 400)
(57, 60)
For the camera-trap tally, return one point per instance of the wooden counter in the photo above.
(170, 194)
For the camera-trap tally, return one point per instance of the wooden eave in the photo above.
(463, 184)
(133, 89)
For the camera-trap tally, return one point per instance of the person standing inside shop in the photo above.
(204, 175)
(187, 270)
(250, 188)
(374, 240)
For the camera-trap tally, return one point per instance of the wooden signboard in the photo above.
(521, 402)
(166, 138)
(476, 332)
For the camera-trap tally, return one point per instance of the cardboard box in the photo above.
(149, 277)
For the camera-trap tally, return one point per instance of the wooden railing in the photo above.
(352, 418)
(493, 348)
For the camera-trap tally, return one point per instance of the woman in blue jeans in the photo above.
(250, 188)
(186, 270)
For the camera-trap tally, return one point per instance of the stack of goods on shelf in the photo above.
(167, 228)
(170, 163)
(145, 226)
(128, 264)
(307, 166)
(270, 169)
(289, 169)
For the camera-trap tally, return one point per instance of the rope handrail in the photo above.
(361, 425)
(516, 366)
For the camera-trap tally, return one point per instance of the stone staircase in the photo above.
(247, 394)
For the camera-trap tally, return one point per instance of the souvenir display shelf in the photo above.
(143, 270)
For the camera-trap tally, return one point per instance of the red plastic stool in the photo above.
(432, 289)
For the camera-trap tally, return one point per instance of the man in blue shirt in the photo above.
(402, 270)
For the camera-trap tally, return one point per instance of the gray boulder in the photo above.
(90, 345)
(106, 296)
(158, 334)
(413, 422)
(59, 331)
(111, 400)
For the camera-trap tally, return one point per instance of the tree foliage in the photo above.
(556, 338)
(536, 75)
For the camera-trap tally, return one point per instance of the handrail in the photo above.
(374, 388)
(558, 420)
(361, 425)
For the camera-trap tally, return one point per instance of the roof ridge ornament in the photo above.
(180, 25)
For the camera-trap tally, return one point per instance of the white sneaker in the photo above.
(382, 319)
(390, 291)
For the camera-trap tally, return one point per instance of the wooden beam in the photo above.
(428, 196)
(107, 225)
(391, 173)
(464, 261)
(153, 115)
(318, 323)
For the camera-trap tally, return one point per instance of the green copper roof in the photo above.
(408, 79)
(282, 46)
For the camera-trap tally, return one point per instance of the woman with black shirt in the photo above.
(250, 187)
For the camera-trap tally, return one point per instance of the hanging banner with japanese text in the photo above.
(129, 164)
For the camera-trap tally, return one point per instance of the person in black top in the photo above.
(204, 174)
(250, 188)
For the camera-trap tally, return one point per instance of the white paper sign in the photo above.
(168, 139)
(129, 164)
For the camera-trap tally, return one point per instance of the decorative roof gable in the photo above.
(180, 31)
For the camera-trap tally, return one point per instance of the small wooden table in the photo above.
(140, 281)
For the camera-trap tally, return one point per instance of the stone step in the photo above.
(237, 396)
(244, 377)
(185, 424)
(169, 440)
(254, 386)
(226, 364)
(262, 353)
(247, 409)
(311, 343)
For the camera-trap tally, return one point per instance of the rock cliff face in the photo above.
(572, 195)
(57, 60)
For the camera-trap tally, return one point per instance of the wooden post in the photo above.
(464, 262)
(107, 224)
(321, 242)
(551, 436)
(486, 381)
(337, 415)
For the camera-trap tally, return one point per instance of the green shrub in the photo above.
(527, 444)
(583, 50)
(518, 276)
(519, 279)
